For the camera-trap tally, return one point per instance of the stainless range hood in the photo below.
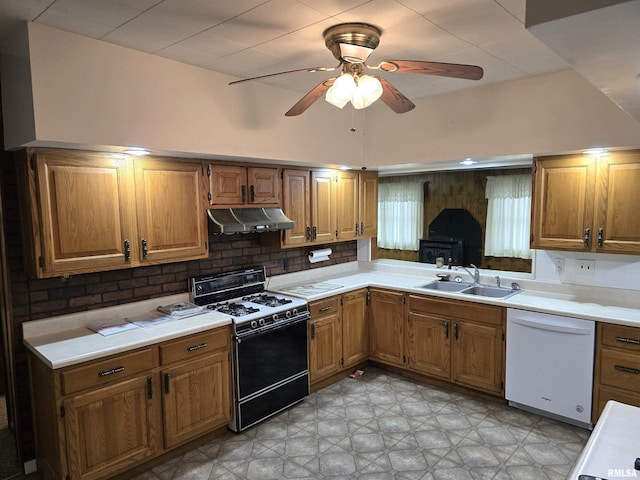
(248, 220)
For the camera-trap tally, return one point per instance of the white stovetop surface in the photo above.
(613, 446)
(66, 340)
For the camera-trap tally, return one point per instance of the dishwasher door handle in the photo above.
(552, 327)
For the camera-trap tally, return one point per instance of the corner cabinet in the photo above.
(386, 319)
(103, 417)
(87, 212)
(588, 204)
(239, 185)
(329, 205)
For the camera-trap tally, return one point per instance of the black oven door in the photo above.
(265, 359)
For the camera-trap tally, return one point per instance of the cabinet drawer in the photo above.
(456, 309)
(604, 394)
(194, 345)
(324, 307)
(620, 369)
(104, 371)
(620, 336)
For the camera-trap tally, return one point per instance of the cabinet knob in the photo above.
(587, 237)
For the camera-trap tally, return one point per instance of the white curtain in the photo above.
(508, 216)
(400, 215)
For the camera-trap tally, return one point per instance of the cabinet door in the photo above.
(617, 223)
(228, 185)
(325, 346)
(197, 397)
(429, 345)
(264, 186)
(386, 323)
(348, 226)
(323, 206)
(355, 328)
(368, 204)
(87, 212)
(477, 356)
(295, 204)
(112, 428)
(172, 224)
(563, 203)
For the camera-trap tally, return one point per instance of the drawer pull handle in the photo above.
(587, 237)
(326, 308)
(624, 369)
(633, 341)
(106, 373)
(193, 348)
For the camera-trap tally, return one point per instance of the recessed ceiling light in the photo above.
(468, 161)
(137, 151)
(597, 152)
(344, 167)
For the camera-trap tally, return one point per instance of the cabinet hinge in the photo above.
(62, 411)
(404, 359)
(342, 362)
(404, 299)
(336, 233)
(32, 161)
(41, 261)
(281, 174)
(208, 170)
(501, 385)
(209, 196)
(341, 301)
(535, 167)
(368, 297)
(503, 336)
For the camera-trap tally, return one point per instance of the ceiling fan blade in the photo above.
(394, 99)
(313, 95)
(312, 69)
(455, 70)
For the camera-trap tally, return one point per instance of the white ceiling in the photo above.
(247, 38)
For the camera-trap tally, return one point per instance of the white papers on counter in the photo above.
(109, 327)
(182, 309)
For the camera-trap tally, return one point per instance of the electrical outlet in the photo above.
(559, 265)
(585, 267)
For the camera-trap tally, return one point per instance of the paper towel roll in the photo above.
(319, 255)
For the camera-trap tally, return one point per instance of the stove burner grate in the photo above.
(235, 309)
(268, 300)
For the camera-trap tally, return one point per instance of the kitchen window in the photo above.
(400, 215)
(508, 216)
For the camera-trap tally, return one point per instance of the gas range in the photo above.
(241, 295)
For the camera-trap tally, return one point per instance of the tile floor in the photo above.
(382, 426)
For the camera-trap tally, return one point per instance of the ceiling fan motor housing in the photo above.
(352, 42)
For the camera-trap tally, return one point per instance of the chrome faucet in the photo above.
(475, 275)
(497, 277)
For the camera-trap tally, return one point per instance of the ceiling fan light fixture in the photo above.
(341, 92)
(368, 91)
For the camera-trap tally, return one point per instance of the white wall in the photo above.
(87, 92)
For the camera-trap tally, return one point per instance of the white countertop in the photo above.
(65, 340)
(613, 446)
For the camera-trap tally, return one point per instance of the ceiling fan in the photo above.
(351, 44)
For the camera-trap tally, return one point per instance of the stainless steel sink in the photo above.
(490, 291)
(441, 286)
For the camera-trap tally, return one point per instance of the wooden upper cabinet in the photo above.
(368, 204)
(296, 198)
(582, 203)
(89, 212)
(170, 199)
(323, 206)
(617, 223)
(562, 205)
(81, 212)
(348, 224)
(239, 185)
(357, 205)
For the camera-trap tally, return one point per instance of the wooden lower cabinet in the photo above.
(387, 326)
(112, 428)
(338, 334)
(458, 341)
(102, 417)
(617, 369)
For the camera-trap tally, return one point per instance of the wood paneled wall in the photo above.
(459, 189)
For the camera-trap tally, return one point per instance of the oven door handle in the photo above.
(258, 333)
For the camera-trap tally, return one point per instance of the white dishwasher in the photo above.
(549, 367)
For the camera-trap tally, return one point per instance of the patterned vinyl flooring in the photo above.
(382, 426)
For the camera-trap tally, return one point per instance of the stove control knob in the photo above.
(261, 322)
(275, 317)
(288, 313)
(254, 324)
(295, 311)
